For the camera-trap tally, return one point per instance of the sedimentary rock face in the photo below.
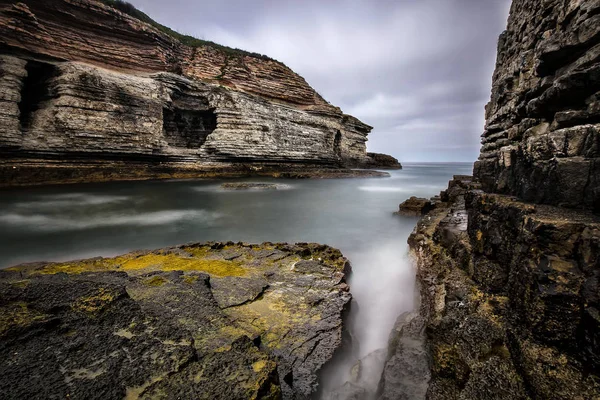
(83, 81)
(542, 131)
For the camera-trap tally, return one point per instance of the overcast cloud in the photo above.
(418, 71)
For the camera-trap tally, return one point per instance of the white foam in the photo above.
(71, 200)
(40, 222)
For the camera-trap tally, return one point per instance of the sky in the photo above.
(418, 71)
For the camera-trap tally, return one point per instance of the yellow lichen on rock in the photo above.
(18, 314)
(259, 365)
(150, 262)
(95, 302)
(155, 281)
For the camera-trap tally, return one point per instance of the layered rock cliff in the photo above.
(508, 260)
(86, 87)
(542, 131)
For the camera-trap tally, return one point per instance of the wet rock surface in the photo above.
(406, 369)
(216, 320)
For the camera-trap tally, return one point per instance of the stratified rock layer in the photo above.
(216, 320)
(508, 262)
(541, 141)
(82, 83)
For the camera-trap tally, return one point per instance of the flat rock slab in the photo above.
(182, 322)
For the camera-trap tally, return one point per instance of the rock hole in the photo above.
(35, 91)
(188, 128)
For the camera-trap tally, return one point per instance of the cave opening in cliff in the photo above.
(35, 91)
(188, 128)
(337, 144)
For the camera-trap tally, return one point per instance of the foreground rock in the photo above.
(415, 206)
(509, 292)
(90, 93)
(215, 320)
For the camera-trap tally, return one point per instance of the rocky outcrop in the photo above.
(378, 160)
(508, 293)
(507, 261)
(85, 85)
(215, 320)
(542, 131)
(415, 206)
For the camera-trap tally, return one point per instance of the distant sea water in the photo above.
(57, 223)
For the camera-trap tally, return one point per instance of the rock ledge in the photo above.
(212, 320)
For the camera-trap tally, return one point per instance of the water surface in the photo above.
(355, 215)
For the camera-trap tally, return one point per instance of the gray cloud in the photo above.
(418, 71)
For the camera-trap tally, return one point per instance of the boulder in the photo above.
(415, 206)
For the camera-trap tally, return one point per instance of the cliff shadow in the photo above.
(35, 91)
(188, 128)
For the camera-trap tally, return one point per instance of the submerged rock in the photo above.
(253, 186)
(363, 380)
(215, 320)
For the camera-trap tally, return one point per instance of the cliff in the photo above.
(86, 87)
(507, 261)
(208, 321)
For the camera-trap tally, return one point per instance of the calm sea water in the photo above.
(354, 215)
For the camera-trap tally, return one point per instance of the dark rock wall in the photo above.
(508, 262)
(542, 134)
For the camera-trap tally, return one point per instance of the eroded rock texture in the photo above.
(210, 321)
(509, 294)
(83, 84)
(508, 262)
